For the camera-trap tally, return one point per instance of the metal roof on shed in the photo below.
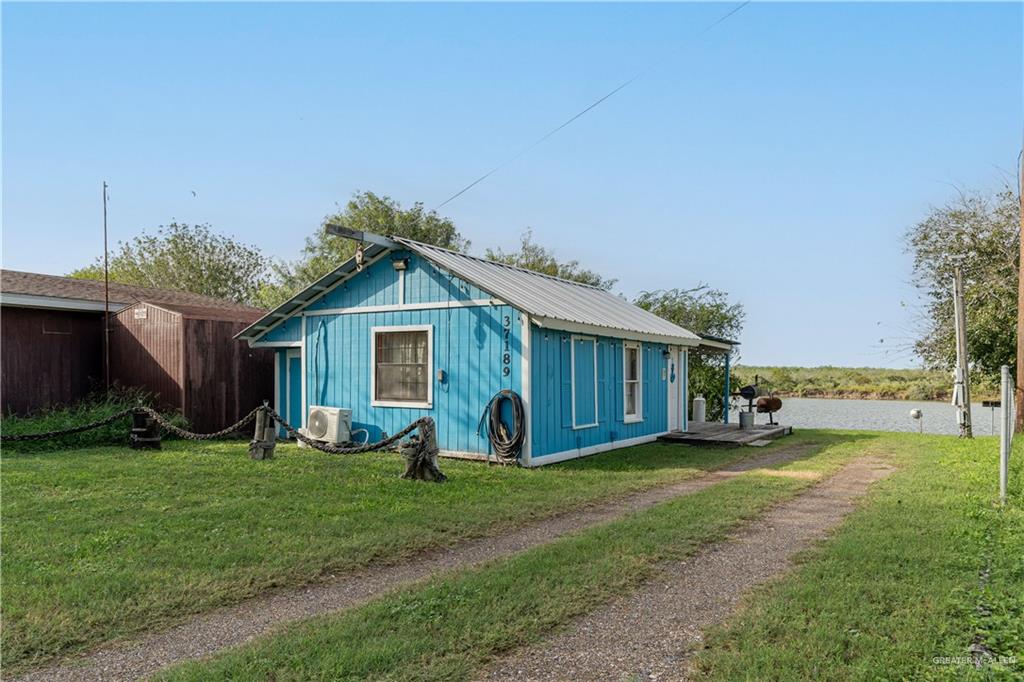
(550, 301)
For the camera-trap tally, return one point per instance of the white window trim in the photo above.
(572, 364)
(429, 329)
(639, 416)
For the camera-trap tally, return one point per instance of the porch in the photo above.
(717, 433)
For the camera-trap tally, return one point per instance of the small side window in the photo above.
(632, 378)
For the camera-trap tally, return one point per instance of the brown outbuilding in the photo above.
(185, 355)
(176, 345)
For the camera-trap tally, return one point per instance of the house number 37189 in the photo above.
(506, 345)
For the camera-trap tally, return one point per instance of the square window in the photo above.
(401, 366)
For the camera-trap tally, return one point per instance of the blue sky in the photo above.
(779, 157)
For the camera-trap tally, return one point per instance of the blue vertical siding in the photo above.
(377, 285)
(289, 330)
(426, 283)
(584, 359)
(550, 387)
(282, 385)
(289, 387)
(468, 345)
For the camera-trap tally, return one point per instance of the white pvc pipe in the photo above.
(1005, 435)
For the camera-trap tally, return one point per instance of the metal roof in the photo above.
(296, 303)
(551, 302)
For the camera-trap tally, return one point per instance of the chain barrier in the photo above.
(46, 435)
(157, 417)
(420, 452)
(424, 423)
(191, 435)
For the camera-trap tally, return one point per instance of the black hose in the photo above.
(507, 445)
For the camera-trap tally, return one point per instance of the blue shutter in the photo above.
(586, 381)
(603, 350)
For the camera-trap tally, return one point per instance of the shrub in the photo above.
(93, 408)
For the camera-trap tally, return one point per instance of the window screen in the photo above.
(402, 367)
(631, 383)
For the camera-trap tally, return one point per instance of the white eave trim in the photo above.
(256, 330)
(717, 345)
(596, 330)
(275, 344)
(397, 307)
(57, 303)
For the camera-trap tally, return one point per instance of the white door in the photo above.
(675, 379)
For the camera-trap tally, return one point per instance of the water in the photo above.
(878, 415)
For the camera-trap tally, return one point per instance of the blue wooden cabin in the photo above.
(415, 330)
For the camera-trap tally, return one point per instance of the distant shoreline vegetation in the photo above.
(865, 383)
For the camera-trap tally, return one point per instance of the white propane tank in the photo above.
(700, 408)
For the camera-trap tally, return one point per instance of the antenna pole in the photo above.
(106, 295)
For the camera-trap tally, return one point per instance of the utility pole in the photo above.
(106, 295)
(1020, 298)
(962, 383)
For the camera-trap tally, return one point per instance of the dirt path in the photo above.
(651, 633)
(208, 633)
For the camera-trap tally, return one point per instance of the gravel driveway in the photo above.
(208, 633)
(649, 634)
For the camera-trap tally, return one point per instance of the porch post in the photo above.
(725, 393)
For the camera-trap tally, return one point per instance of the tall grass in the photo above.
(93, 408)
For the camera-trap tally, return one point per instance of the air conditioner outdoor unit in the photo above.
(329, 424)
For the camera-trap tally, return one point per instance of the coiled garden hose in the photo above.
(507, 444)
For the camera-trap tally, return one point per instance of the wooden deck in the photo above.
(715, 433)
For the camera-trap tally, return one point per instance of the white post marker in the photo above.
(1005, 434)
(918, 416)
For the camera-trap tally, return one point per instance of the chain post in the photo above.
(261, 447)
(144, 433)
(269, 431)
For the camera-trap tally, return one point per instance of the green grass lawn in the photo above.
(451, 626)
(102, 543)
(897, 586)
(929, 568)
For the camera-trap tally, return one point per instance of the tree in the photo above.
(533, 256)
(981, 235)
(366, 212)
(188, 257)
(702, 310)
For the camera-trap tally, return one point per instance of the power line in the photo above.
(589, 107)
